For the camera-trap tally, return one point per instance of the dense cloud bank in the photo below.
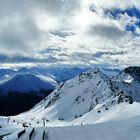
(70, 32)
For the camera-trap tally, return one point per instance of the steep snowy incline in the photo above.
(128, 83)
(91, 90)
(75, 97)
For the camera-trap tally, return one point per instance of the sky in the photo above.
(70, 32)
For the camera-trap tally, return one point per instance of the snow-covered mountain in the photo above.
(16, 84)
(89, 106)
(26, 83)
(91, 90)
(15, 89)
(58, 73)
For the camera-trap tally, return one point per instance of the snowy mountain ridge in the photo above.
(26, 82)
(91, 90)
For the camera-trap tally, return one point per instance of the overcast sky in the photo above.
(70, 32)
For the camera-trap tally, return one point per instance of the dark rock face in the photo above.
(134, 72)
(15, 103)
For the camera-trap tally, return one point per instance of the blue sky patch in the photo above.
(132, 12)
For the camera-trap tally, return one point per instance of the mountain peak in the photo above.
(77, 96)
(25, 82)
(92, 72)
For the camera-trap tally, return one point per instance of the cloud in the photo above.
(117, 4)
(66, 32)
(26, 59)
(21, 23)
(126, 13)
(62, 33)
(107, 31)
(57, 7)
(18, 35)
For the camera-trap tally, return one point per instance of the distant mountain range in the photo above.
(60, 74)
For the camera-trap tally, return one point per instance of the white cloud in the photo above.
(66, 32)
(123, 4)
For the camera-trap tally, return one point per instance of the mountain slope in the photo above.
(128, 83)
(91, 90)
(26, 83)
(76, 95)
(15, 90)
(30, 84)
